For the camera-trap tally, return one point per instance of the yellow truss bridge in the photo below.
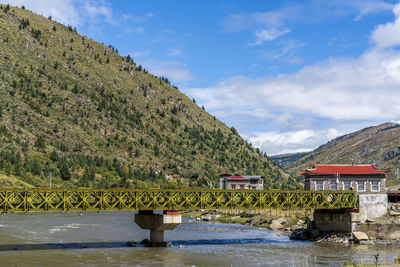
(43, 199)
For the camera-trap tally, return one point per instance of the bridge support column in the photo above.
(338, 221)
(157, 224)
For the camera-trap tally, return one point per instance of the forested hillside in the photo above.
(75, 109)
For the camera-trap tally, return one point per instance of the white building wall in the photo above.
(221, 183)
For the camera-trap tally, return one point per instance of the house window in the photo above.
(333, 186)
(319, 185)
(346, 185)
(375, 186)
(360, 186)
(242, 186)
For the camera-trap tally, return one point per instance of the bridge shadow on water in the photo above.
(99, 245)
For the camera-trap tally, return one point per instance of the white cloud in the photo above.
(97, 10)
(362, 88)
(338, 90)
(366, 7)
(388, 35)
(63, 11)
(173, 52)
(137, 19)
(270, 25)
(274, 18)
(76, 13)
(140, 53)
(268, 35)
(139, 30)
(173, 70)
(285, 52)
(274, 143)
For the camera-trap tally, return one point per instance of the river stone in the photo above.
(281, 220)
(366, 242)
(300, 222)
(360, 236)
(250, 220)
(206, 217)
(275, 225)
(131, 244)
(299, 234)
(393, 213)
(145, 242)
(314, 234)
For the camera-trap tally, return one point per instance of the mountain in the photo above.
(75, 110)
(379, 145)
(285, 159)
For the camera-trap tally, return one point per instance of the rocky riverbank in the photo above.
(297, 228)
(282, 225)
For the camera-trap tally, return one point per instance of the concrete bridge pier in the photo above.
(157, 224)
(370, 208)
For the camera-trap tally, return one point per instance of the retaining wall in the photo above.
(380, 231)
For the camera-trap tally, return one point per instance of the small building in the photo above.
(236, 181)
(361, 178)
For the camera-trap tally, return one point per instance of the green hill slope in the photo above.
(75, 109)
(379, 145)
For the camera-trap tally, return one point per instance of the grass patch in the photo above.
(191, 214)
(12, 181)
(240, 220)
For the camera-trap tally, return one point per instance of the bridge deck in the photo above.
(43, 199)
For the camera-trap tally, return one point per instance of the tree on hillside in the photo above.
(64, 170)
(35, 166)
(7, 8)
(88, 176)
(54, 156)
(40, 142)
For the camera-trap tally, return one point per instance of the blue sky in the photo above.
(289, 75)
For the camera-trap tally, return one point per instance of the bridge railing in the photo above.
(43, 199)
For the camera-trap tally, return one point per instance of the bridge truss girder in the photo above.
(43, 199)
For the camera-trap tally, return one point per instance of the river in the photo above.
(99, 239)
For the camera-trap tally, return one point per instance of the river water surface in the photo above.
(99, 239)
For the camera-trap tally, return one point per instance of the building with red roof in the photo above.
(236, 181)
(362, 178)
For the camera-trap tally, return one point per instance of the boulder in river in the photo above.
(300, 234)
(314, 234)
(360, 236)
(394, 213)
(275, 225)
(282, 221)
(300, 222)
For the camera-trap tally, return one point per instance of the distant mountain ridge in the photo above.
(286, 159)
(378, 145)
(76, 110)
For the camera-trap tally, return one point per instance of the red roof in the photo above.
(243, 178)
(225, 175)
(344, 169)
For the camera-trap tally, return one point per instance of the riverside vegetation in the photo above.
(75, 109)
